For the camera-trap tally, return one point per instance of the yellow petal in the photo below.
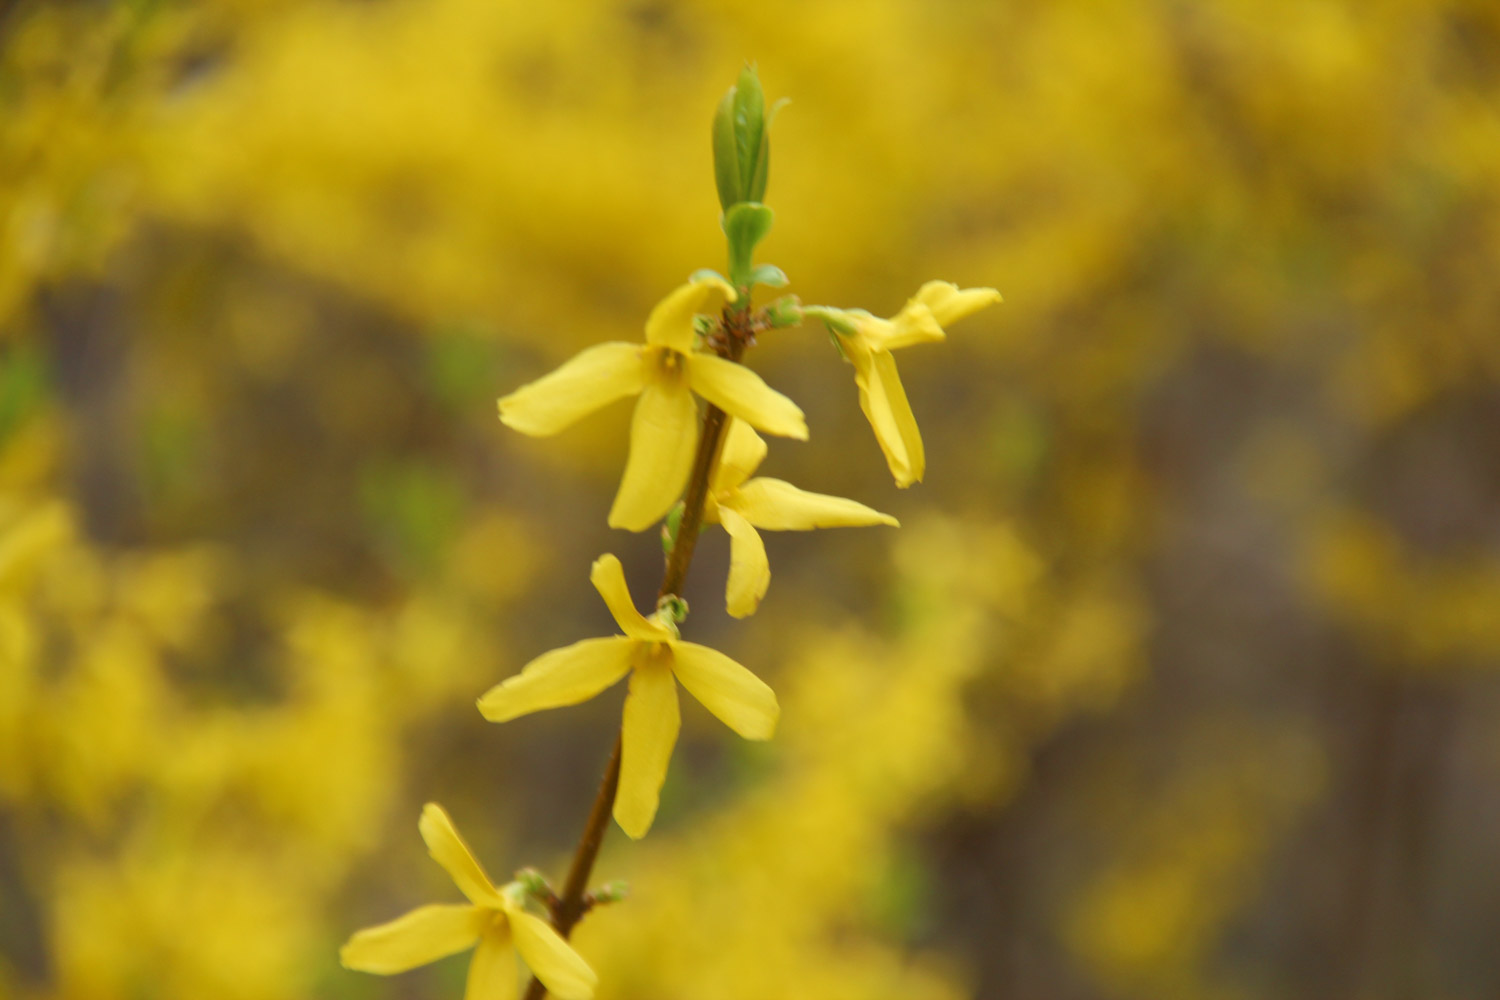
(648, 734)
(493, 974)
(608, 577)
(914, 324)
(449, 850)
(884, 401)
(742, 454)
(551, 959)
(741, 700)
(424, 935)
(776, 505)
(663, 437)
(596, 377)
(949, 303)
(749, 569)
(671, 322)
(560, 677)
(740, 392)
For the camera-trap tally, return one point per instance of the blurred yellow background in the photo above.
(1178, 681)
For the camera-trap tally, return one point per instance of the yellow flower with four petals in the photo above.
(868, 345)
(770, 504)
(495, 919)
(653, 653)
(665, 372)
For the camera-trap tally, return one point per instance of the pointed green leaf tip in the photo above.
(742, 150)
(750, 134)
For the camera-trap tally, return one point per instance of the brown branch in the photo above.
(738, 334)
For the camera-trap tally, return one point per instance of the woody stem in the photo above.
(571, 905)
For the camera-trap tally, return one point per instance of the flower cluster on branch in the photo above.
(692, 465)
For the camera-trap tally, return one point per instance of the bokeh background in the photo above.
(1178, 681)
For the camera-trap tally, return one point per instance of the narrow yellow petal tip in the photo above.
(714, 281)
(432, 814)
(949, 303)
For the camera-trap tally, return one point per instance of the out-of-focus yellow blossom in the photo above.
(867, 342)
(664, 372)
(494, 919)
(653, 654)
(1187, 857)
(771, 504)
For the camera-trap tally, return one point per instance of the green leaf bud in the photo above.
(741, 140)
(611, 892)
(785, 311)
(535, 885)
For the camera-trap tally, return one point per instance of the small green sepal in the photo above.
(672, 608)
(838, 343)
(837, 320)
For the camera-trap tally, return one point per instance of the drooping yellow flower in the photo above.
(771, 504)
(665, 371)
(652, 652)
(494, 918)
(881, 394)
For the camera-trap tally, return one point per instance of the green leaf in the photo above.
(749, 130)
(746, 224)
(726, 159)
(769, 275)
(756, 191)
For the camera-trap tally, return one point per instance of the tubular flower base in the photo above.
(494, 919)
(770, 504)
(867, 342)
(665, 372)
(653, 654)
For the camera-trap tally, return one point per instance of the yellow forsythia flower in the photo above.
(771, 504)
(664, 372)
(881, 395)
(494, 918)
(651, 651)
